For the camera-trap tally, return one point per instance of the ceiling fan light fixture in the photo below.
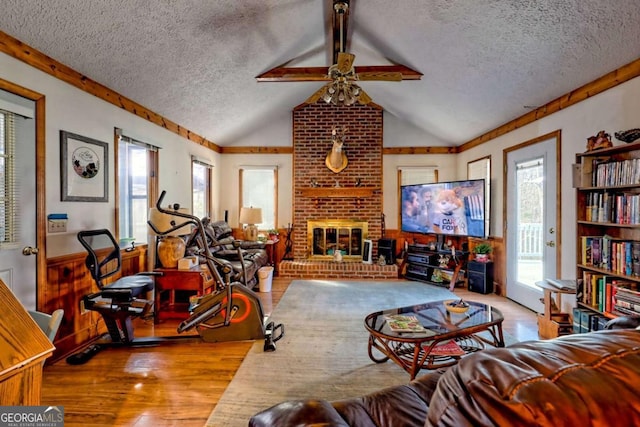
(341, 91)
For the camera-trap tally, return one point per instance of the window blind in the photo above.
(418, 175)
(9, 191)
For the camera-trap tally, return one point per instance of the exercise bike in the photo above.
(231, 313)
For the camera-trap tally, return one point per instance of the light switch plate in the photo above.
(57, 225)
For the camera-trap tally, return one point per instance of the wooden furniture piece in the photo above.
(197, 280)
(437, 267)
(23, 350)
(480, 277)
(608, 228)
(270, 247)
(412, 351)
(553, 322)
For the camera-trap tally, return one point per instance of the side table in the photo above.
(198, 279)
(553, 322)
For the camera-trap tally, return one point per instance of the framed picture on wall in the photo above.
(84, 168)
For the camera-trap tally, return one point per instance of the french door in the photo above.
(532, 237)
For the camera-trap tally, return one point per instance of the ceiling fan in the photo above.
(342, 74)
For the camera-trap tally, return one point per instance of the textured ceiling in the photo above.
(195, 61)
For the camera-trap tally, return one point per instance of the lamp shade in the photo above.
(250, 215)
(163, 222)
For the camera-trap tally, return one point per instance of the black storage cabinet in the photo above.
(480, 277)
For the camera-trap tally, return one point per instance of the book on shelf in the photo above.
(404, 323)
(445, 348)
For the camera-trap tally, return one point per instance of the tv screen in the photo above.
(454, 208)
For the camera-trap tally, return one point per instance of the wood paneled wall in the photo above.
(68, 280)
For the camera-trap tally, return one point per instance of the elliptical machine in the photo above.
(232, 312)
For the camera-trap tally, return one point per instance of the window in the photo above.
(137, 187)
(201, 182)
(408, 175)
(481, 169)
(258, 188)
(8, 217)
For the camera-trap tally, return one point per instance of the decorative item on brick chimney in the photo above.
(336, 159)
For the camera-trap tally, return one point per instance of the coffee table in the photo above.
(414, 351)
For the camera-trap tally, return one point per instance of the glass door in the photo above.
(531, 220)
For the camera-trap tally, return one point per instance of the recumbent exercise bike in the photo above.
(232, 312)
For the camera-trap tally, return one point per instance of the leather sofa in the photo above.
(234, 253)
(576, 380)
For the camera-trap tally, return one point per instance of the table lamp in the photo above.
(170, 246)
(250, 217)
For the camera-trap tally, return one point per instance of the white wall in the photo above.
(612, 111)
(70, 109)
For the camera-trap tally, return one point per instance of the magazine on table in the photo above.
(446, 348)
(404, 323)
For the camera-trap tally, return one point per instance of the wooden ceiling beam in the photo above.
(319, 74)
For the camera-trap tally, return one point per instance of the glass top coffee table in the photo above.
(431, 336)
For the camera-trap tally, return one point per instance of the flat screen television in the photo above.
(448, 208)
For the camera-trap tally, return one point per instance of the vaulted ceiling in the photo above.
(484, 62)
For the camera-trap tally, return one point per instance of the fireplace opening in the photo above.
(328, 236)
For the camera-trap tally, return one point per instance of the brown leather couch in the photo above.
(590, 379)
(222, 244)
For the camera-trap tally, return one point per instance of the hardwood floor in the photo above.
(180, 383)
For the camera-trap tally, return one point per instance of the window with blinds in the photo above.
(417, 175)
(137, 181)
(481, 169)
(8, 186)
(201, 178)
(258, 189)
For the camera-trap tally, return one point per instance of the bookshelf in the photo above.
(608, 230)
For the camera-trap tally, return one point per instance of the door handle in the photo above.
(551, 244)
(29, 250)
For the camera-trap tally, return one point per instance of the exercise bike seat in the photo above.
(138, 285)
(104, 260)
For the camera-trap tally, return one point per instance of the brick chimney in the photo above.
(312, 125)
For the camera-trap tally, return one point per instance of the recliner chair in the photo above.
(243, 258)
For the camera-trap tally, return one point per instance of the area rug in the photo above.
(324, 351)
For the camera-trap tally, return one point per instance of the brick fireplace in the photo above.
(353, 194)
(319, 193)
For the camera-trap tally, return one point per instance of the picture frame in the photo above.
(84, 169)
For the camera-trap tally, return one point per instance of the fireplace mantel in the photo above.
(338, 192)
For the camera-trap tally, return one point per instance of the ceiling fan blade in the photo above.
(381, 76)
(316, 95)
(363, 98)
(345, 62)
